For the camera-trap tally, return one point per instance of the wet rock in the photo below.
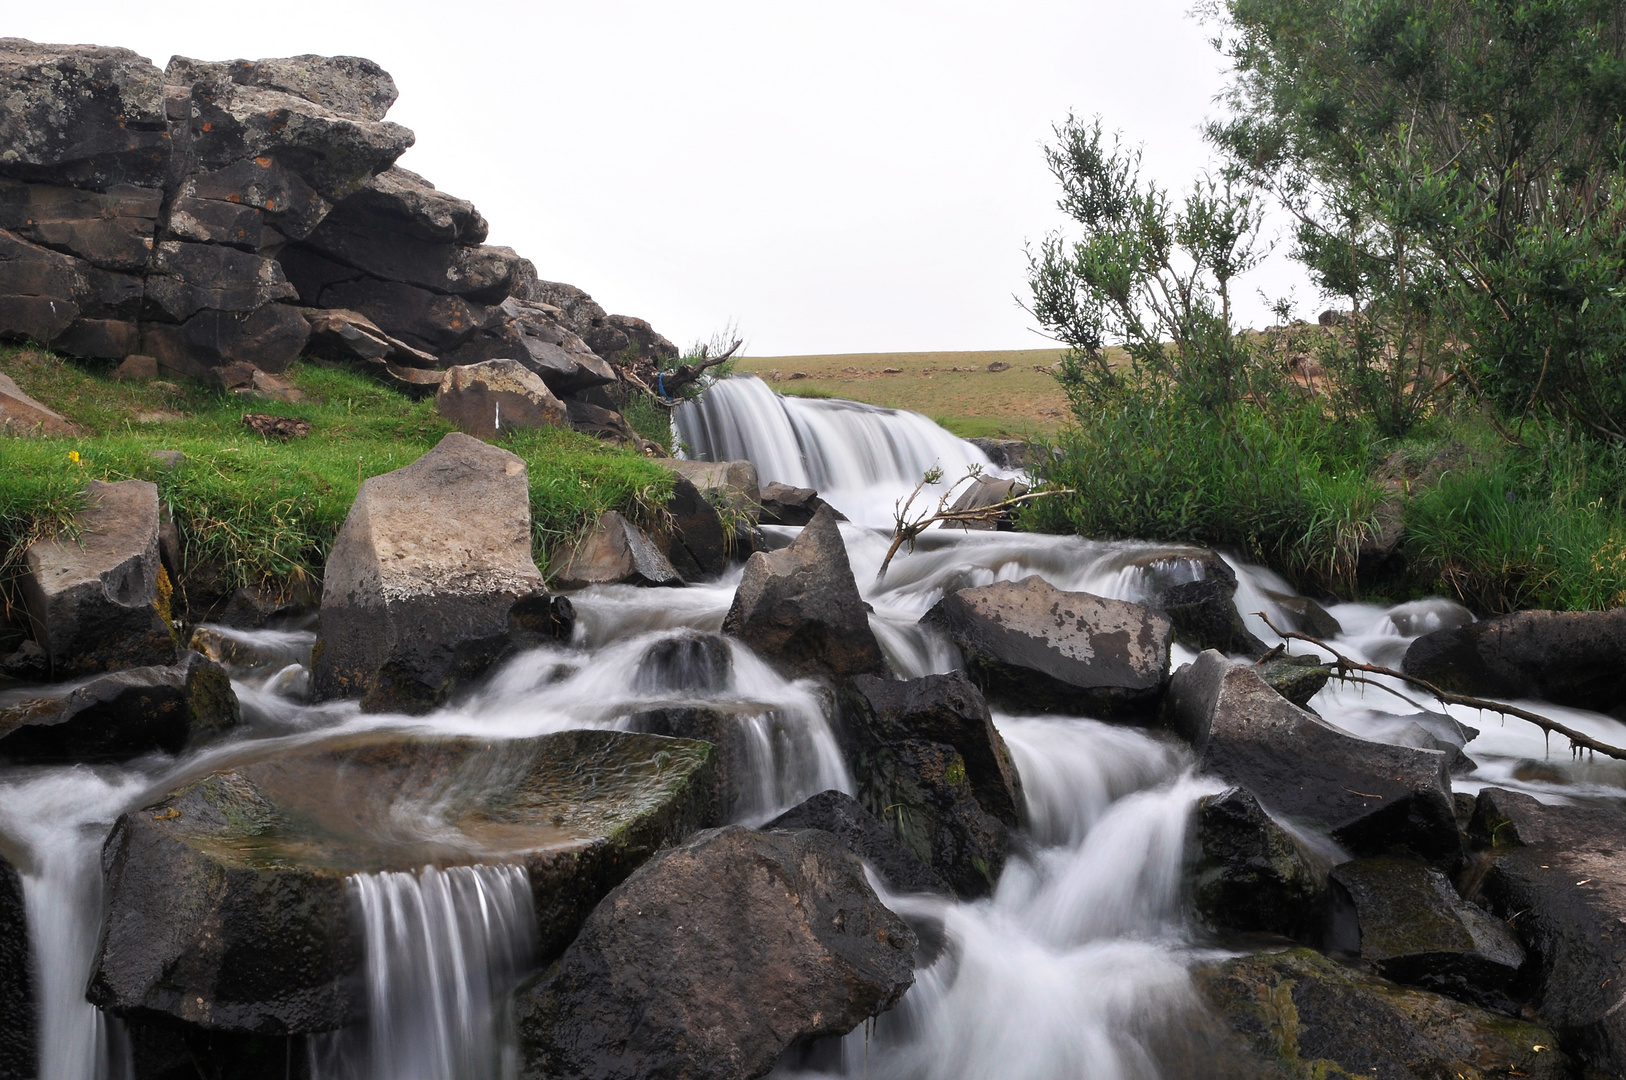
(121, 715)
(226, 900)
(981, 493)
(1204, 612)
(1426, 616)
(736, 755)
(110, 99)
(943, 709)
(714, 958)
(845, 818)
(1296, 678)
(1300, 1015)
(1304, 616)
(1249, 875)
(695, 542)
(19, 1018)
(1575, 658)
(1558, 879)
(495, 396)
(799, 608)
(1033, 646)
(22, 415)
(786, 505)
(1426, 731)
(1372, 796)
(614, 551)
(686, 662)
(93, 599)
(1415, 929)
(27, 663)
(110, 229)
(419, 584)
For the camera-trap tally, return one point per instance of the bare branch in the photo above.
(906, 531)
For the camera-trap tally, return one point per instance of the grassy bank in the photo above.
(262, 512)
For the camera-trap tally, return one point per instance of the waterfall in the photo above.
(860, 458)
(442, 948)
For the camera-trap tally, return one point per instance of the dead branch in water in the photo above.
(1343, 665)
(906, 531)
(669, 384)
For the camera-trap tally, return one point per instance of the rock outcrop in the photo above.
(226, 900)
(94, 598)
(421, 581)
(121, 715)
(799, 607)
(1372, 796)
(497, 396)
(715, 957)
(1575, 658)
(1031, 645)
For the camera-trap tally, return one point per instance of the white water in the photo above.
(1075, 967)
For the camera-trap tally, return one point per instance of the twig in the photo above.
(1343, 664)
(907, 531)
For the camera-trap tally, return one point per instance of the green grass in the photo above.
(262, 512)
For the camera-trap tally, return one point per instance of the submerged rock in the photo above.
(423, 577)
(1559, 881)
(714, 958)
(94, 597)
(1031, 645)
(19, 1018)
(686, 662)
(1249, 875)
(1575, 658)
(122, 715)
(1416, 929)
(799, 607)
(845, 818)
(226, 900)
(1300, 1015)
(613, 552)
(1372, 796)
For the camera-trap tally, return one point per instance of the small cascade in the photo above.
(860, 458)
(443, 947)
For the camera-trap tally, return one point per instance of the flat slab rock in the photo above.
(1031, 645)
(713, 958)
(226, 900)
(1370, 795)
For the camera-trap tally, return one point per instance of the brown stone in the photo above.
(22, 415)
(613, 551)
(489, 398)
(137, 368)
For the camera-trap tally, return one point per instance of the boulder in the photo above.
(495, 396)
(694, 542)
(347, 86)
(1250, 875)
(799, 607)
(1204, 612)
(1298, 1014)
(1304, 616)
(730, 484)
(94, 598)
(22, 415)
(1005, 453)
(1557, 878)
(1033, 646)
(738, 755)
(981, 493)
(110, 229)
(227, 904)
(936, 708)
(427, 321)
(19, 1017)
(845, 818)
(121, 715)
(601, 422)
(1574, 658)
(1371, 796)
(616, 338)
(715, 957)
(1415, 929)
(408, 203)
(614, 551)
(1296, 678)
(785, 505)
(110, 100)
(420, 583)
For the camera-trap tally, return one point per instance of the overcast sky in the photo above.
(832, 177)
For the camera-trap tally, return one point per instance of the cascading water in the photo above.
(1076, 966)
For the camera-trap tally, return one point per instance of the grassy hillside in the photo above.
(954, 388)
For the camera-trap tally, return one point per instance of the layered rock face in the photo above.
(189, 214)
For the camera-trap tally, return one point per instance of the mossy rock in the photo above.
(227, 901)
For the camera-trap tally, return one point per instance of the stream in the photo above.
(1076, 966)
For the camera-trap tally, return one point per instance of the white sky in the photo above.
(832, 176)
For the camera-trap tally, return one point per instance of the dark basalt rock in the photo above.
(1305, 616)
(1031, 645)
(1575, 658)
(786, 505)
(112, 230)
(1559, 881)
(428, 321)
(695, 543)
(1372, 796)
(616, 338)
(420, 584)
(226, 900)
(534, 335)
(715, 957)
(348, 86)
(1205, 616)
(122, 715)
(19, 1015)
(845, 818)
(1299, 1015)
(686, 662)
(1415, 929)
(1249, 875)
(93, 599)
(799, 607)
(1296, 678)
(188, 278)
(268, 338)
